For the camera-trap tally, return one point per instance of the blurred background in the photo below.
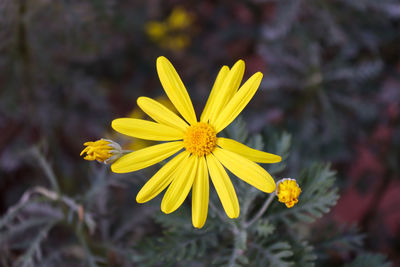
(331, 79)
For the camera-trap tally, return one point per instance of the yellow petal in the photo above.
(175, 89)
(160, 113)
(228, 89)
(180, 186)
(160, 180)
(223, 186)
(246, 170)
(146, 129)
(238, 102)
(247, 152)
(145, 157)
(200, 195)
(205, 116)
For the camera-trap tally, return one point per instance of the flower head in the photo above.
(103, 150)
(173, 33)
(198, 151)
(179, 19)
(156, 30)
(288, 192)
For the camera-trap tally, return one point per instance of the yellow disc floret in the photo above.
(200, 139)
(288, 192)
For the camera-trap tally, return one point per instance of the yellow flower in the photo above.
(175, 42)
(288, 192)
(103, 150)
(204, 153)
(179, 19)
(156, 30)
(174, 32)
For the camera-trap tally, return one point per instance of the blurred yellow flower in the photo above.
(103, 150)
(173, 33)
(179, 19)
(203, 152)
(156, 30)
(177, 43)
(288, 192)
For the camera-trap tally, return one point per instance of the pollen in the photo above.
(288, 192)
(200, 139)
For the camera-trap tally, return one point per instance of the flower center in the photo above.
(200, 139)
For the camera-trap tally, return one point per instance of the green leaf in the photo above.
(34, 251)
(304, 254)
(278, 254)
(263, 228)
(370, 260)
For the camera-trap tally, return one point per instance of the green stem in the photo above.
(261, 211)
(240, 241)
(82, 239)
(47, 169)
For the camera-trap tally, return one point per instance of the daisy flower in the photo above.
(198, 151)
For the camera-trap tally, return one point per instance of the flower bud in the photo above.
(103, 150)
(288, 192)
